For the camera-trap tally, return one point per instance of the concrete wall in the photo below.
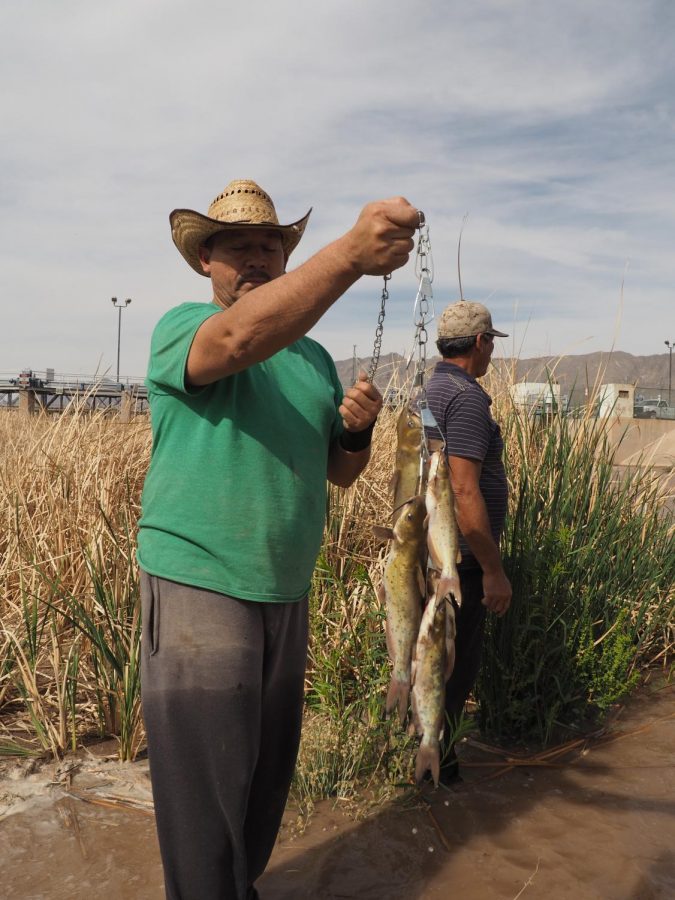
(640, 435)
(654, 441)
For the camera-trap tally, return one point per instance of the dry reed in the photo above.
(69, 500)
(69, 492)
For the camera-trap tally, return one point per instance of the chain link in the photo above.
(423, 315)
(424, 271)
(424, 260)
(423, 310)
(377, 343)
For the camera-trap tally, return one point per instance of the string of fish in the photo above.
(421, 563)
(433, 655)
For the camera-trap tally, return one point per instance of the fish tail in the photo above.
(428, 759)
(397, 698)
(449, 584)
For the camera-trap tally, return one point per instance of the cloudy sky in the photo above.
(551, 124)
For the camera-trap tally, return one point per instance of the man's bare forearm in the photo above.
(472, 514)
(344, 467)
(276, 314)
(270, 318)
(474, 523)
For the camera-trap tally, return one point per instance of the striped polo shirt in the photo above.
(461, 409)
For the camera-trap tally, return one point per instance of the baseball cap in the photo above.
(465, 319)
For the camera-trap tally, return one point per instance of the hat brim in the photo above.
(190, 229)
(497, 333)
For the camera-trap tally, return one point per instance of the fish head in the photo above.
(409, 430)
(433, 577)
(437, 604)
(438, 626)
(410, 523)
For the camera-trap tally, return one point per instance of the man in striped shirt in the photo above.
(474, 446)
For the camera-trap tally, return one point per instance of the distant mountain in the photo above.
(573, 373)
(576, 373)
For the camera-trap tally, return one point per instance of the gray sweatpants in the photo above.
(222, 687)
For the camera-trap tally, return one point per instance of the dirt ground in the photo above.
(596, 822)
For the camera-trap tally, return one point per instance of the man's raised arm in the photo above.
(277, 313)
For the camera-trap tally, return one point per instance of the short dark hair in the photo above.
(458, 346)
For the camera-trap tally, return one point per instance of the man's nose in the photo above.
(256, 258)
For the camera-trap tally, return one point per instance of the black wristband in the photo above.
(353, 441)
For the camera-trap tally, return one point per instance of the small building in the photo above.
(616, 400)
(539, 397)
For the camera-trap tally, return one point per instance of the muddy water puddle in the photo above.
(68, 833)
(597, 823)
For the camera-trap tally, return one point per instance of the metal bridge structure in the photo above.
(32, 392)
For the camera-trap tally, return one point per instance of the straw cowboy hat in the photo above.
(242, 204)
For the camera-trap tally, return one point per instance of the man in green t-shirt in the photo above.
(248, 423)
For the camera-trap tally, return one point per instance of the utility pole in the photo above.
(119, 307)
(669, 345)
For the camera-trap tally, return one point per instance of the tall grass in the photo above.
(592, 564)
(591, 558)
(69, 623)
(346, 738)
(590, 555)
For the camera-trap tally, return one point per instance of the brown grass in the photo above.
(69, 500)
(69, 491)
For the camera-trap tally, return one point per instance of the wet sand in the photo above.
(596, 823)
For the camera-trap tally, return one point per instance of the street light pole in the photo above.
(669, 345)
(119, 307)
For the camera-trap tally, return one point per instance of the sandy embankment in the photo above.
(597, 823)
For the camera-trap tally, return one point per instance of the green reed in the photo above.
(108, 619)
(591, 558)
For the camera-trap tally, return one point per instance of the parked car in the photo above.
(651, 409)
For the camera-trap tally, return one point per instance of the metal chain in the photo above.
(424, 270)
(423, 315)
(424, 261)
(423, 310)
(377, 343)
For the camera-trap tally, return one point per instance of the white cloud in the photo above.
(551, 124)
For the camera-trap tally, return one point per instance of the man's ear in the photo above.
(205, 258)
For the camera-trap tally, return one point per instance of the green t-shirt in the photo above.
(235, 496)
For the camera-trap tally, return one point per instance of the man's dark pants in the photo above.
(470, 622)
(222, 686)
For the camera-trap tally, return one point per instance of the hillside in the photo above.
(574, 373)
